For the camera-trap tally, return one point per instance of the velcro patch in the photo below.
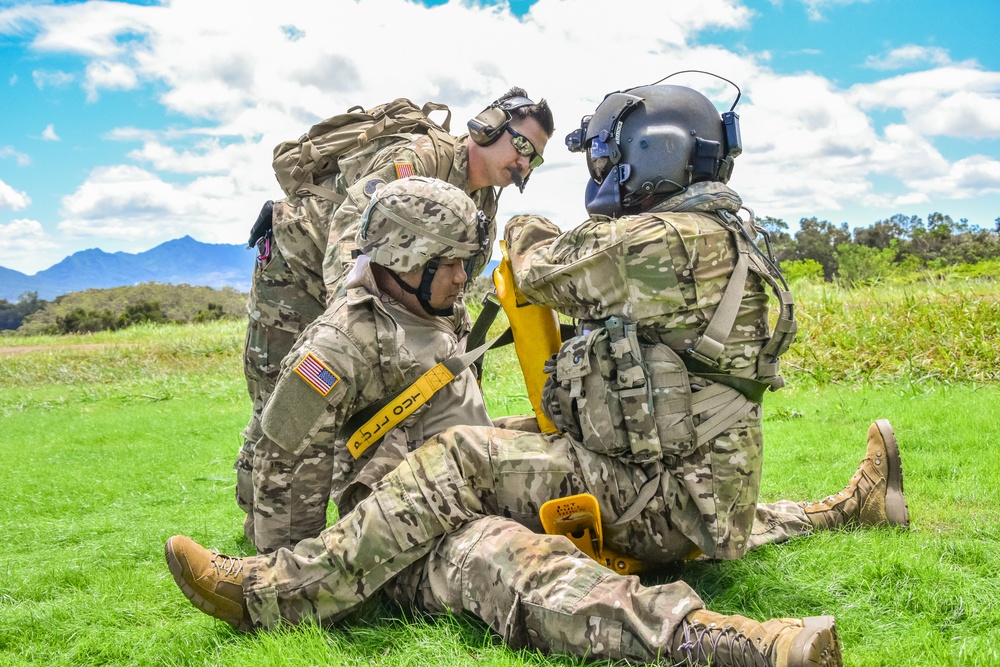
(404, 169)
(316, 373)
(372, 185)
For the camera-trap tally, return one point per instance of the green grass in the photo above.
(109, 451)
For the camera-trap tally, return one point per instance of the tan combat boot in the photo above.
(212, 581)
(705, 637)
(874, 496)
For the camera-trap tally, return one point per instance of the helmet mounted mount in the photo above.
(654, 141)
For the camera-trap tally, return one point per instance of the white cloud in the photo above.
(970, 177)
(22, 159)
(958, 101)
(815, 8)
(909, 56)
(11, 199)
(803, 142)
(51, 79)
(109, 76)
(239, 82)
(128, 203)
(23, 232)
(49, 133)
(26, 245)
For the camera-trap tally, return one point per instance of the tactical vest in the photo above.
(618, 395)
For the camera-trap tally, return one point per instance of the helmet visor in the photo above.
(599, 160)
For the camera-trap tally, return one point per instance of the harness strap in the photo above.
(320, 191)
(646, 493)
(434, 106)
(712, 342)
(736, 409)
(378, 419)
(491, 307)
(741, 381)
(444, 149)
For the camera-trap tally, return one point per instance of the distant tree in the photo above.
(781, 241)
(12, 314)
(80, 320)
(212, 312)
(864, 265)
(146, 311)
(818, 240)
(802, 269)
(884, 232)
(9, 318)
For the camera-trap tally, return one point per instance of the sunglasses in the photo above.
(523, 146)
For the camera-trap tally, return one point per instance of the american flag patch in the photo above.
(315, 372)
(404, 169)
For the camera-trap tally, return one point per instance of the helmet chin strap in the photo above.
(423, 291)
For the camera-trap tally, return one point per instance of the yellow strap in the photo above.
(399, 409)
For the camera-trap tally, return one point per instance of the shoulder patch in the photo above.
(404, 169)
(316, 373)
(373, 185)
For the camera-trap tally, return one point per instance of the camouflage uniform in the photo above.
(286, 294)
(418, 157)
(311, 254)
(704, 501)
(374, 348)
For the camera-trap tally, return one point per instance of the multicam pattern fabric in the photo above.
(704, 501)
(665, 270)
(481, 489)
(422, 154)
(286, 294)
(413, 220)
(455, 478)
(300, 460)
(314, 240)
(540, 592)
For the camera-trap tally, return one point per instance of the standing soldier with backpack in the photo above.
(329, 175)
(658, 399)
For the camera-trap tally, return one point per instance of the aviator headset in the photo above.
(489, 125)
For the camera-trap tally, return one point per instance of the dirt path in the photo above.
(4, 351)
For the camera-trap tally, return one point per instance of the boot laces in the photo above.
(227, 566)
(710, 642)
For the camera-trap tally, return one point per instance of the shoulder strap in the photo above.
(704, 353)
(370, 425)
(444, 151)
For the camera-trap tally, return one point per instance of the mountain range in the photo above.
(182, 260)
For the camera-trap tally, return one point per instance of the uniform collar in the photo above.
(701, 197)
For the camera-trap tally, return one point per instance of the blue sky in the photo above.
(128, 124)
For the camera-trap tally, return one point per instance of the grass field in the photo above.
(109, 450)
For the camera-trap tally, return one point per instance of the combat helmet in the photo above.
(653, 141)
(416, 222)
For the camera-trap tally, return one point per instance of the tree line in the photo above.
(901, 243)
(819, 250)
(119, 307)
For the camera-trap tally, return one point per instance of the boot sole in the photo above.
(816, 644)
(203, 605)
(895, 504)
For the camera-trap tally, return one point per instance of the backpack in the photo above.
(303, 164)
